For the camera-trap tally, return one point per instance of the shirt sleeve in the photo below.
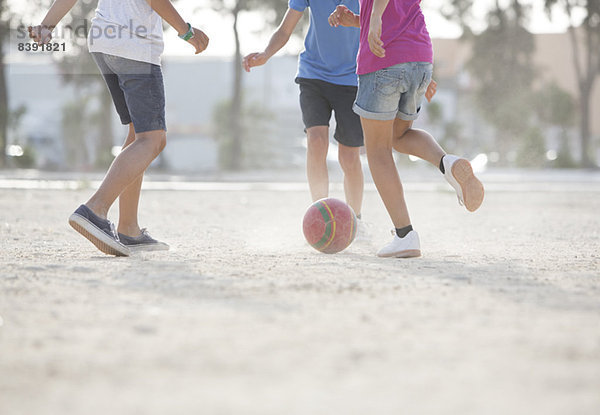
(298, 5)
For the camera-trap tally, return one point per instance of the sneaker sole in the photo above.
(472, 188)
(409, 253)
(101, 240)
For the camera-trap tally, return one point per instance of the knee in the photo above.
(157, 140)
(349, 159)
(130, 137)
(129, 140)
(318, 143)
(400, 132)
(378, 150)
(162, 143)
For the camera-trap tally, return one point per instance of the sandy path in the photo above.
(501, 315)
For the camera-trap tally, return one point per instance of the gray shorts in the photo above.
(394, 92)
(137, 90)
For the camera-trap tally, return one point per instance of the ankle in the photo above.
(402, 232)
(98, 210)
(441, 165)
(129, 230)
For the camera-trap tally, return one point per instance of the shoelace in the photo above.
(114, 232)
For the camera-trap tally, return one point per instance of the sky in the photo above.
(254, 37)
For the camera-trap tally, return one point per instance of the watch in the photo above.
(189, 35)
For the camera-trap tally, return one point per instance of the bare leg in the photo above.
(316, 161)
(419, 143)
(349, 158)
(130, 198)
(129, 165)
(378, 141)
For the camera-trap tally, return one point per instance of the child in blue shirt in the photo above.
(328, 83)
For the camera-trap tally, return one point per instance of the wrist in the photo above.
(186, 34)
(181, 28)
(267, 53)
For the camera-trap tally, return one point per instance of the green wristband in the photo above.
(189, 34)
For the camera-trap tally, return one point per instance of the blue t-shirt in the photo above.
(329, 52)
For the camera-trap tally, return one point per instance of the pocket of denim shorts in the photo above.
(425, 82)
(386, 83)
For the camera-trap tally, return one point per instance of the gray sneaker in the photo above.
(144, 242)
(101, 232)
(363, 233)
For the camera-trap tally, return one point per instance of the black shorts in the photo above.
(137, 91)
(317, 100)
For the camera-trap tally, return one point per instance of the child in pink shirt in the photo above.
(395, 65)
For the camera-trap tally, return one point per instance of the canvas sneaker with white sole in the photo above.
(459, 173)
(144, 242)
(363, 233)
(407, 247)
(101, 232)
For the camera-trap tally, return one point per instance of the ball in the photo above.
(329, 225)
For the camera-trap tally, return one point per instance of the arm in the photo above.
(278, 40)
(57, 11)
(43, 32)
(166, 10)
(343, 16)
(375, 43)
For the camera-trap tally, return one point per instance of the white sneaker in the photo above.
(363, 233)
(459, 173)
(407, 247)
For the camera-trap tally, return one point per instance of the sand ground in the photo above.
(501, 315)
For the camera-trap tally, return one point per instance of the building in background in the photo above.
(197, 85)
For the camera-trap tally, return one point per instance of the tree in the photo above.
(6, 17)
(502, 68)
(557, 108)
(255, 122)
(585, 42)
(234, 8)
(78, 69)
(4, 110)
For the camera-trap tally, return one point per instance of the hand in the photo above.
(199, 41)
(342, 16)
(254, 59)
(40, 34)
(375, 42)
(431, 90)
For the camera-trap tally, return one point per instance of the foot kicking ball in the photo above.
(329, 225)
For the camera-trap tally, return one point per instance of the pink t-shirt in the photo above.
(404, 35)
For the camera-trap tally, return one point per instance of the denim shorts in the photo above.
(319, 98)
(394, 92)
(137, 90)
